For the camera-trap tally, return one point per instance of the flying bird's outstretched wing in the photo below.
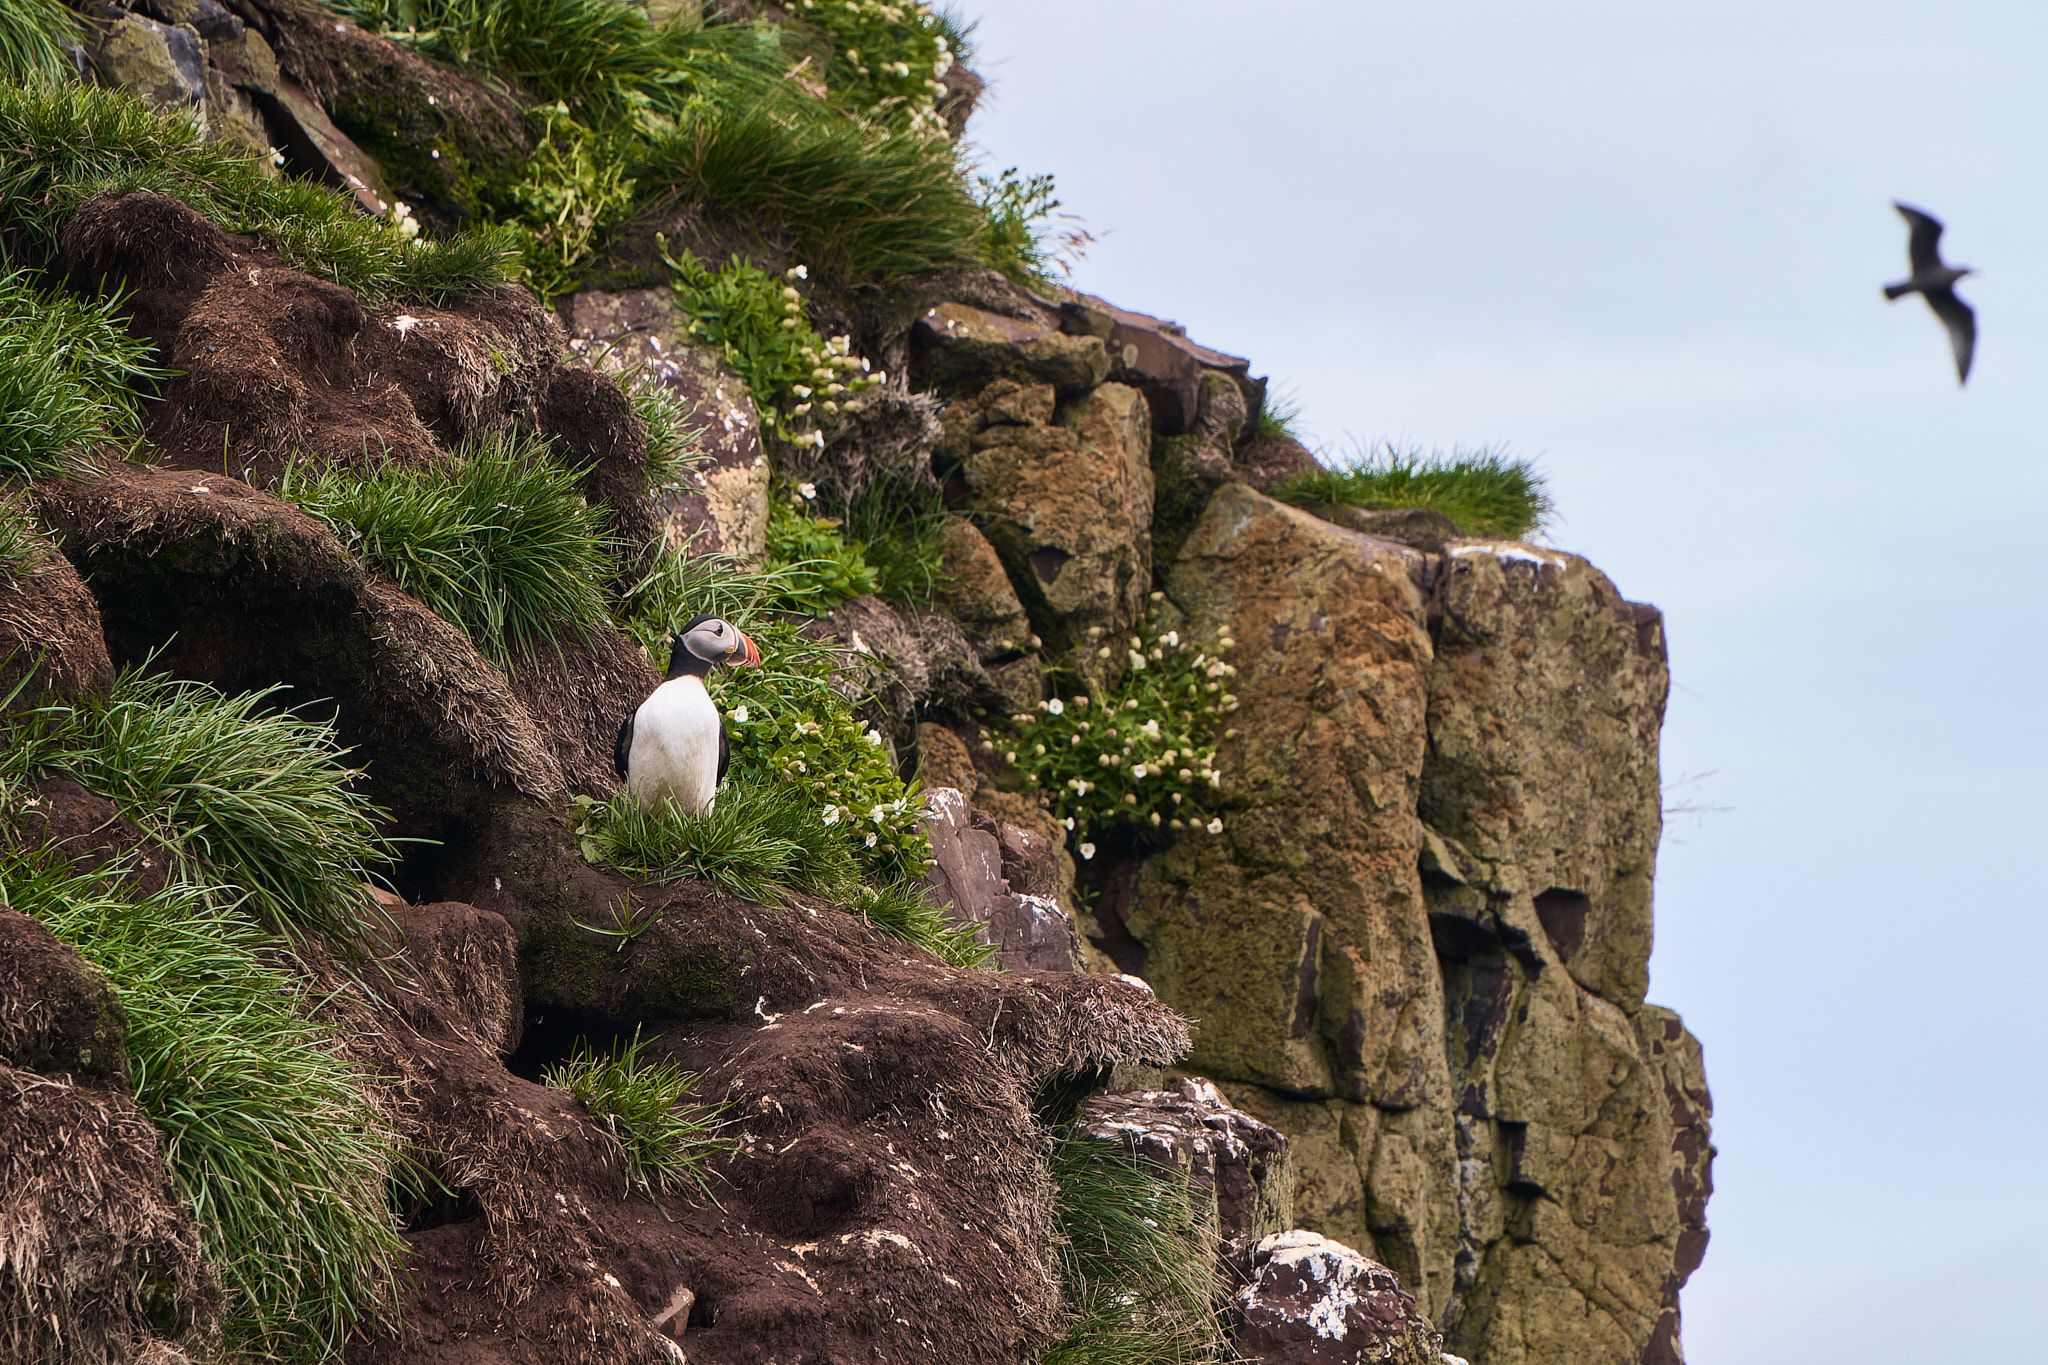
(622, 749)
(1923, 248)
(1962, 327)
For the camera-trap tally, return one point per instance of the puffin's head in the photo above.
(710, 640)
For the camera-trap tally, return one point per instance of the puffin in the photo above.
(674, 747)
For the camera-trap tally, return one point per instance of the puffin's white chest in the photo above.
(675, 746)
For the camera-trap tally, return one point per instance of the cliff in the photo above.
(1155, 914)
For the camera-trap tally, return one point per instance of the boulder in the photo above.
(1236, 1167)
(722, 505)
(972, 853)
(1064, 494)
(1156, 357)
(163, 65)
(1312, 1301)
(958, 348)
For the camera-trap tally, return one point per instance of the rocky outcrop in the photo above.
(1420, 946)
(1237, 1169)
(999, 880)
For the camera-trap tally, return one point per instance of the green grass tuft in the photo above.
(251, 797)
(283, 1161)
(62, 146)
(1138, 1266)
(819, 565)
(68, 374)
(501, 543)
(1280, 418)
(35, 38)
(900, 909)
(857, 204)
(1486, 493)
(23, 551)
(758, 835)
(900, 527)
(642, 1106)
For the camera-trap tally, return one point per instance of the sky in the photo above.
(1642, 244)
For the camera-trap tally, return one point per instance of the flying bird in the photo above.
(1936, 282)
(674, 747)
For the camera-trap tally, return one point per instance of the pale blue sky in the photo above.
(1644, 243)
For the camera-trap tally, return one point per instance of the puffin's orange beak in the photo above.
(752, 657)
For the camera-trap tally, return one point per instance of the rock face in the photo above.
(1420, 948)
(1237, 1167)
(998, 878)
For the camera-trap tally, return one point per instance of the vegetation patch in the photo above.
(1142, 757)
(1485, 492)
(819, 566)
(249, 798)
(500, 542)
(35, 38)
(23, 551)
(64, 145)
(1138, 1264)
(1022, 241)
(801, 384)
(283, 1161)
(644, 1107)
(68, 378)
(900, 527)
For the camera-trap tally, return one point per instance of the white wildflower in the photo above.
(797, 272)
(1137, 661)
(1150, 728)
(874, 737)
(870, 839)
(1056, 706)
(808, 490)
(1087, 850)
(1140, 770)
(800, 390)
(1171, 639)
(739, 714)
(832, 815)
(1215, 826)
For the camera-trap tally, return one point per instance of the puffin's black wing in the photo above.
(1962, 327)
(1923, 248)
(622, 749)
(724, 749)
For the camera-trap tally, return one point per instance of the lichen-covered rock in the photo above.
(1298, 934)
(1676, 1057)
(722, 506)
(1236, 1167)
(957, 347)
(1312, 1301)
(163, 65)
(1064, 494)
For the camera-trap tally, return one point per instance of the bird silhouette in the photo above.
(1936, 282)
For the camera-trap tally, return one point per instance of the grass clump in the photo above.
(756, 837)
(1142, 758)
(800, 382)
(23, 551)
(900, 528)
(284, 1163)
(35, 38)
(575, 185)
(501, 543)
(68, 374)
(1021, 241)
(62, 146)
(247, 797)
(860, 204)
(643, 1107)
(819, 567)
(1485, 492)
(1137, 1263)
(1279, 418)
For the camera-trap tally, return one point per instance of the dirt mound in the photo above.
(277, 364)
(234, 587)
(50, 626)
(890, 1198)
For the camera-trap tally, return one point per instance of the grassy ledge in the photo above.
(283, 1161)
(643, 1106)
(1486, 493)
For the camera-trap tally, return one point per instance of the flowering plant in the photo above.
(1143, 755)
(889, 61)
